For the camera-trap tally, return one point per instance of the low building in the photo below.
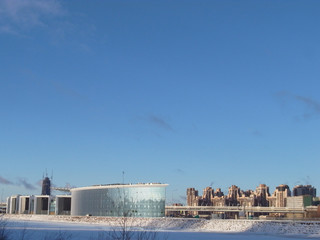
(13, 204)
(299, 201)
(39, 204)
(26, 205)
(63, 205)
(3, 208)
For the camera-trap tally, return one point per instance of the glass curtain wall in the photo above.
(119, 201)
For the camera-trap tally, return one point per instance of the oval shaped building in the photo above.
(133, 200)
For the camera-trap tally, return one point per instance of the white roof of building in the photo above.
(118, 185)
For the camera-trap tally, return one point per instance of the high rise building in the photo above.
(218, 193)
(301, 190)
(46, 186)
(192, 196)
(207, 196)
(281, 194)
(260, 197)
(262, 194)
(233, 194)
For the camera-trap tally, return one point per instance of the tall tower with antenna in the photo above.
(46, 185)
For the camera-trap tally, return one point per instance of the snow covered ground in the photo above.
(83, 228)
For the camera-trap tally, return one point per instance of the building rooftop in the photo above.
(120, 185)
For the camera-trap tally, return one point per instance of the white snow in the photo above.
(175, 228)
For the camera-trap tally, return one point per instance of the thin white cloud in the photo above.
(17, 15)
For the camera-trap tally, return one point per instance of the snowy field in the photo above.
(35, 227)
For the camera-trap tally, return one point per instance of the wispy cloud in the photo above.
(5, 181)
(16, 15)
(27, 185)
(67, 91)
(21, 182)
(310, 103)
(256, 133)
(160, 122)
(21, 18)
(58, 86)
(311, 106)
(179, 171)
(7, 29)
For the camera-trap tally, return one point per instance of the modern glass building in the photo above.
(132, 200)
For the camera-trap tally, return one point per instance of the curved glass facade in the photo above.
(139, 200)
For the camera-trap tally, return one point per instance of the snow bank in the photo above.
(301, 228)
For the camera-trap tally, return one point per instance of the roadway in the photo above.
(234, 209)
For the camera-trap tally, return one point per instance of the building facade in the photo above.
(192, 197)
(302, 190)
(46, 186)
(136, 200)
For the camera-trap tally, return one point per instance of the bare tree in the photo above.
(61, 235)
(24, 233)
(4, 233)
(124, 229)
(127, 223)
(129, 228)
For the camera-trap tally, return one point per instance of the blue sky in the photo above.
(189, 93)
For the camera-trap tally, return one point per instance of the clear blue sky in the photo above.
(189, 93)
